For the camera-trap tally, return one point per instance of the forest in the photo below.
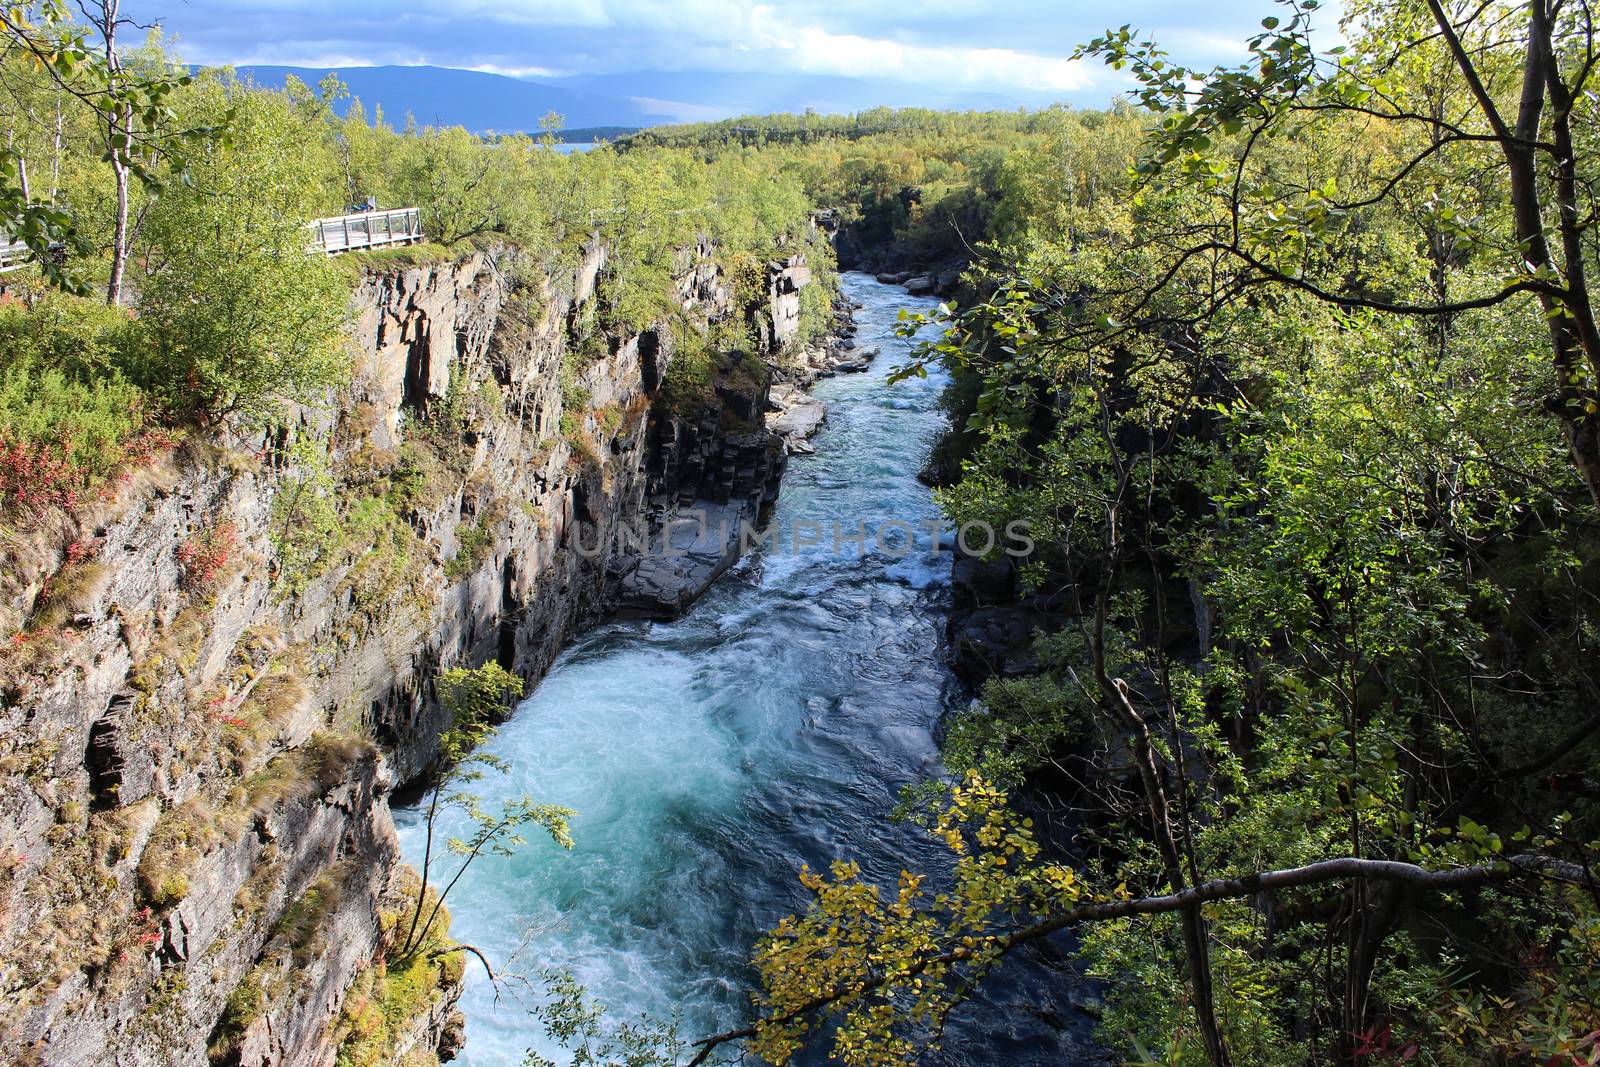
(1291, 365)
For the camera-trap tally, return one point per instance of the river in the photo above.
(709, 758)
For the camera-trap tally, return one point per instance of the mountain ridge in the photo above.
(482, 101)
(478, 100)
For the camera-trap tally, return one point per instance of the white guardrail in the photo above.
(367, 229)
(13, 254)
(342, 233)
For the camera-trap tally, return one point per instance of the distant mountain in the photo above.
(697, 96)
(481, 102)
(443, 96)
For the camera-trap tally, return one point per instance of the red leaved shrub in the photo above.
(202, 557)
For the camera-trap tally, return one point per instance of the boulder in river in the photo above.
(921, 285)
(855, 360)
(695, 548)
(795, 417)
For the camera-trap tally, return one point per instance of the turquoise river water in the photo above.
(709, 758)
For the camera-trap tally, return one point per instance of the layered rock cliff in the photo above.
(225, 670)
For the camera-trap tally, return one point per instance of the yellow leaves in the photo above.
(888, 966)
(1060, 884)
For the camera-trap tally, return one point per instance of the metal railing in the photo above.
(13, 254)
(342, 233)
(367, 229)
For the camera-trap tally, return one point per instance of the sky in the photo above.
(1017, 49)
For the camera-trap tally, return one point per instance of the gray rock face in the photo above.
(685, 555)
(194, 776)
(787, 278)
(796, 417)
(838, 355)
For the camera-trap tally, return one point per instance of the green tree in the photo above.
(1456, 88)
(242, 318)
(475, 700)
(141, 134)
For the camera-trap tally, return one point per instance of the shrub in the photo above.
(70, 420)
(476, 699)
(203, 557)
(306, 531)
(240, 319)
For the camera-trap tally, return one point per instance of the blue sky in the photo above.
(1015, 48)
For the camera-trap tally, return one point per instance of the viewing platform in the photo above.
(13, 254)
(341, 233)
(367, 229)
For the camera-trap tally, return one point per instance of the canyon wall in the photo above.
(221, 674)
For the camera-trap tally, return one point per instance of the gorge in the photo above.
(527, 643)
(710, 758)
(199, 846)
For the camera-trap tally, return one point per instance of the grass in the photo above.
(36, 646)
(399, 257)
(303, 924)
(177, 845)
(83, 924)
(475, 542)
(187, 833)
(245, 1004)
(385, 1000)
(298, 937)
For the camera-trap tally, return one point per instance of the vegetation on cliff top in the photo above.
(232, 321)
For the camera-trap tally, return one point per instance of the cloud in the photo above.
(814, 50)
(534, 73)
(1016, 48)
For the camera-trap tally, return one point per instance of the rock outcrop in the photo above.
(926, 283)
(227, 669)
(795, 416)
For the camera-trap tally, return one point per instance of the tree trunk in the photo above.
(1370, 922)
(1574, 340)
(119, 239)
(1196, 939)
(119, 142)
